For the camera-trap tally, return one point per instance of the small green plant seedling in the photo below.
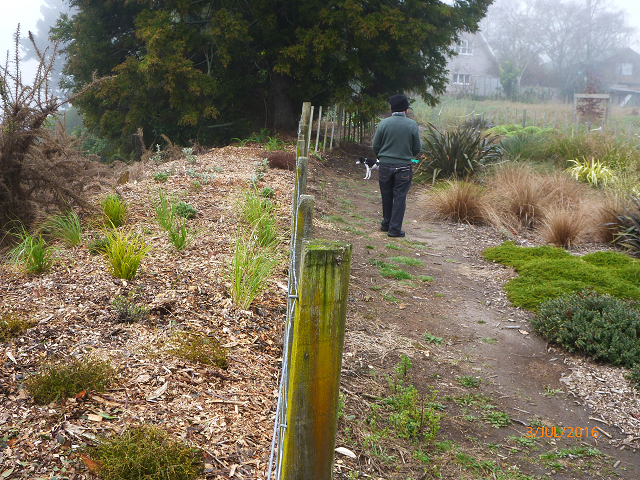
(489, 340)
(468, 381)
(185, 210)
(267, 192)
(160, 177)
(31, 253)
(425, 278)
(433, 339)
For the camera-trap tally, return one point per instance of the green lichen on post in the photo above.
(316, 360)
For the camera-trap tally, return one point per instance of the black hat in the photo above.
(399, 103)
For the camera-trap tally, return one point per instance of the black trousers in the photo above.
(395, 181)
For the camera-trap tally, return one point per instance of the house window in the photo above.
(461, 79)
(625, 69)
(465, 47)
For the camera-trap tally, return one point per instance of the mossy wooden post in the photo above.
(304, 227)
(338, 122)
(316, 361)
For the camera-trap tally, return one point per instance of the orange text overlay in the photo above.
(562, 432)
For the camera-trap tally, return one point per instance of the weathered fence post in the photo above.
(524, 119)
(304, 227)
(316, 361)
(310, 131)
(319, 126)
(338, 122)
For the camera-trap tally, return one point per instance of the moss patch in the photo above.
(548, 272)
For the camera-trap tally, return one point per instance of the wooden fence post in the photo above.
(316, 361)
(338, 122)
(524, 119)
(319, 126)
(304, 227)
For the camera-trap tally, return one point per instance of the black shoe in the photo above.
(384, 229)
(396, 234)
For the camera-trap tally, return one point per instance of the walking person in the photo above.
(395, 143)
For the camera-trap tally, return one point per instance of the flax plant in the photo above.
(124, 252)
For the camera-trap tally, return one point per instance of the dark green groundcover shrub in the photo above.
(602, 326)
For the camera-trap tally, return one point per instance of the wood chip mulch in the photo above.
(228, 414)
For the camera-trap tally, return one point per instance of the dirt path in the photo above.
(483, 337)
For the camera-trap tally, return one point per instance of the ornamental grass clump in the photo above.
(458, 201)
(31, 253)
(145, 453)
(114, 209)
(56, 381)
(124, 251)
(604, 327)
(66, 227)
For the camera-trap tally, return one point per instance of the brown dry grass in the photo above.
(563, 225)
(457, 201)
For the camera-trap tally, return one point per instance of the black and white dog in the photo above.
(370, 164)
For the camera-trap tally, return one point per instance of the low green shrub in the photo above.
(160, 177)
(66, 227)
(57, 381)
(267, 192)
(197, 347)
(127, 310)
(604, 327)
(547, 272)
(146, 452)
(185, 210)
(12, 325)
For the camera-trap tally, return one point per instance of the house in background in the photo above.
(619, 75)
(474, 70)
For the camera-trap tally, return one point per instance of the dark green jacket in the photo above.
(397, 140)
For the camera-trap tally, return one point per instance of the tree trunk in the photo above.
(283, 114)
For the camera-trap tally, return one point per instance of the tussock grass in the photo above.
(562, 226)
(197, 347)
(547, 272)
(56, 381)
(457, 201)
(146, 452)
(115, 210)
(124, 251)
(31, 253)
(66, 227)
(127, 310)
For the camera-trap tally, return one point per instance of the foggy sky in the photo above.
(27, 13)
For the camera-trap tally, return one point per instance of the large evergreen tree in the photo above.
(184, 68)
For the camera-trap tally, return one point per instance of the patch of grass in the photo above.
(433, 339)
(146, 452)
(489, 340)
(345, 204)
(425, 278)
(197, 347)
(98, 245)
(66, 379)
(124, 252)
(127, 310)
(547, 272)
(352, 230)
(392, 246)
(66, 227)
(390, 271)
(390, 298)
(411, 262)
(31, 253)
(471, 400)
(12, 325)
(181, 235)
(526, 442)
(334, 219)
(370, 247)
(468, 381)
(601, 326)
(115, 210)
